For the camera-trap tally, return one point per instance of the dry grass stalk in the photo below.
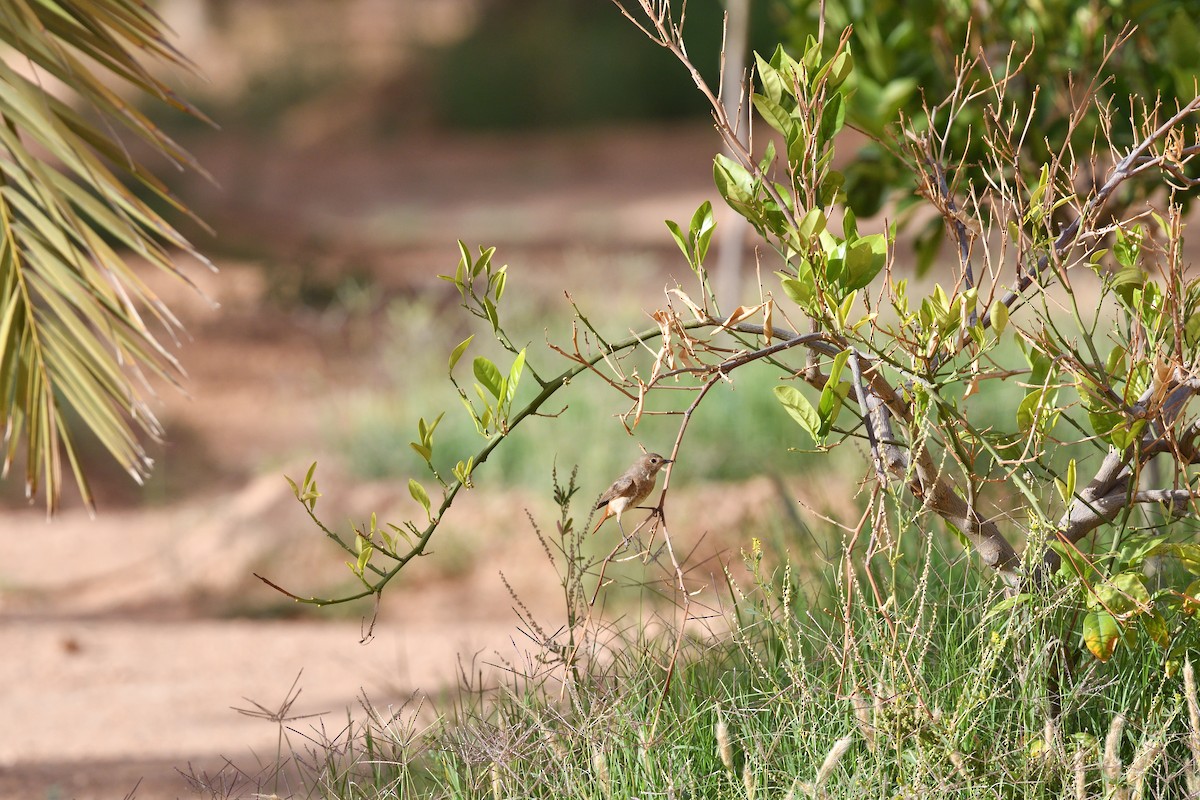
(863, 715)
(1050, 735)
(497, 782)
(724, 745)
(600, 768)
(1079, 765)
(748, 780)
(644, 746)
(1145, 757)
(1192, 771)
(1111, 765)
(831, 761)
(816, 789)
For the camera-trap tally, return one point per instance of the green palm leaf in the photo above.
(79, 328)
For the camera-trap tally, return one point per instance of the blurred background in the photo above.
(356, 141)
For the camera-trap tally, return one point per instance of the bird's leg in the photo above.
(625, 537)
(657, 515)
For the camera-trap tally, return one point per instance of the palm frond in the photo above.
(79, 327)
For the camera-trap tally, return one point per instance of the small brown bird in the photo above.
(631, 488)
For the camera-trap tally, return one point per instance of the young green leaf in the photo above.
(499, 280)
(514, 376)
(423, 451)
(798, 407)
(701, 230)
(488, 374)
(680, 240)
(465, 272)
(489, 309)
(773, 84)
(733, 182)
(420, 495)
(364, 557)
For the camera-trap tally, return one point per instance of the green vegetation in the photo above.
(1048, 54)
(1034, 406)
(892, 682)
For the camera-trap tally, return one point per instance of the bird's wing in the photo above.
(618, 489)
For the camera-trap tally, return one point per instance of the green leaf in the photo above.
(840, 68)
(423, 451)
(701, 230)
(773, 114)
(849, 225)
(681, 240)
(787, 68)
(1036, 210)
(483, 263)
(420, 495)
(865, 257)
(488, 374)
(489, 308)
(514, 377)
(465, 261)
(1124, 435)
(812, 224)
(1128, 247)
(1187, 554)
(833, 117)
(1122, 594)
(1156, 628)
(500, 280)
(798, 407)
(844, 309)
(1037, 410)
(734, 183)
(802, 288)
(1191, 330)
(365, 551)
(833, 393)
(462, 471)
(773, 83)
(999, 317)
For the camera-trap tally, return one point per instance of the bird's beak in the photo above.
(668, 461)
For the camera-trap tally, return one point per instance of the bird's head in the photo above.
(651, 463)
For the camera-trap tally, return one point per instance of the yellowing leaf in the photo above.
(1100, 633)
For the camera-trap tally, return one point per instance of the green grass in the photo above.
(884, 682)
